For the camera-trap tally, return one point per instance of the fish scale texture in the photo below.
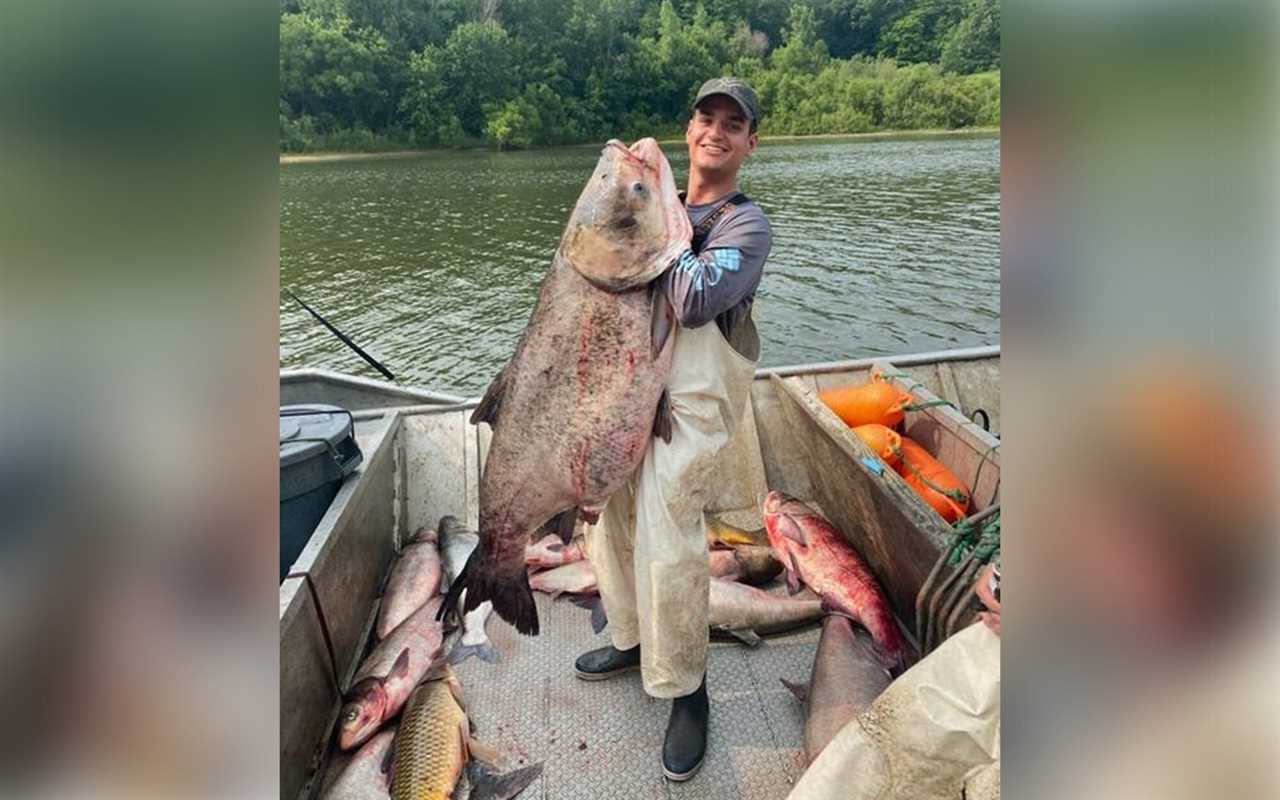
(603, 740)
(428, 744)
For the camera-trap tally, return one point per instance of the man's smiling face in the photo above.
(719, 136)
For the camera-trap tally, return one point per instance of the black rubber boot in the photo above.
(597, 665)
(686, 742)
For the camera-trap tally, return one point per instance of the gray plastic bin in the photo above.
(318, 451)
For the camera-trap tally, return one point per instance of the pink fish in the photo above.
(550, 552)
(414, 580)
(575, 578)
(812, 550)
(387, 677)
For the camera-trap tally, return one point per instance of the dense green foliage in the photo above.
(381, 74)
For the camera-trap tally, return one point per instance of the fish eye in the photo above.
(637, 187)
(352, 715)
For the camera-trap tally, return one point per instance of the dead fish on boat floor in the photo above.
(746, 612)
(847, 675)
(550, 552)
(815, 552)
(414, 579)
(387, 677)
(745, 564)
(575, 409)
(457, 543)
(433, 746)
(577, 580)
(366, 776)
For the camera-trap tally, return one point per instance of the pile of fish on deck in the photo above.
(409, 674)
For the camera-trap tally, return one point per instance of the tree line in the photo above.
(382, 74)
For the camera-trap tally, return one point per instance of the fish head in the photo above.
(782, 513)
(629, 224)
(362, 713)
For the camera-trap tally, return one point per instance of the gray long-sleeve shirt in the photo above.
(719, 281)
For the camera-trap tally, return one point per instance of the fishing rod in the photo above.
(373, 362)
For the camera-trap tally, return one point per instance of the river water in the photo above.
(432, 262)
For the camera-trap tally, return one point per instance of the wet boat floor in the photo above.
(603, 739)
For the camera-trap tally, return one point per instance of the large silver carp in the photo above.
(575, 409)
(847, 676)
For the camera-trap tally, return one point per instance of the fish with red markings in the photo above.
(550, 552)
(414, 580)
(387, 677)
(814, 552)
(575, 409)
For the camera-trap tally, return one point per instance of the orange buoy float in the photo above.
(883, 441)
(877, 402)
(936, 485)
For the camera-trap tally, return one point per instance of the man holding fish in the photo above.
(649, 550)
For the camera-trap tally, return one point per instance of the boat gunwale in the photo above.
(445, 401)
(304, 374)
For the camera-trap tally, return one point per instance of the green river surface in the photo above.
(432, 262)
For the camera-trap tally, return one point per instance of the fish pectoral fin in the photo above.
(401, 668)
(662, 419)
(745, 635)
(790, 529)
(488, 785)
(664, 319)
(484, 752)
(800, 690)
(487, 411)
(793, 574)
(389, 760)
(455, 685)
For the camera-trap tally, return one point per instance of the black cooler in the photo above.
(318, 451)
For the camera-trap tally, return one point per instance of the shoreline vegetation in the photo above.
(356, 155)
(371, 76)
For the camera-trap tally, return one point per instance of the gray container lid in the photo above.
(307, 431)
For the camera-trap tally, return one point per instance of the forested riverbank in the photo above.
(313, 156)
(393, 75)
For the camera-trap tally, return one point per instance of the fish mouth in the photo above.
(643, 156)
(774, 502)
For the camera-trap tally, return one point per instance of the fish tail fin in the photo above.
(595, 604)
(459, 584)
(512, 598)
(488, 785)
(484, 651)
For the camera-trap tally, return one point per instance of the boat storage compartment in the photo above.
(898, 534)
(317, 452)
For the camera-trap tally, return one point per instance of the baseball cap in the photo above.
(737, 90)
